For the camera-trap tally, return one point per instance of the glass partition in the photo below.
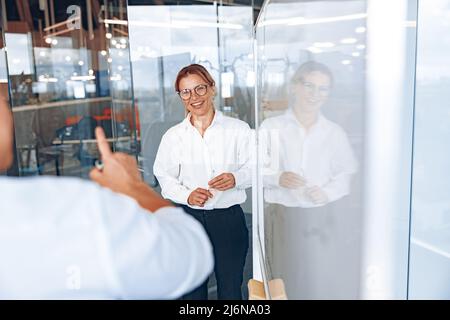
(430, 220)
(341, 206)
(68, 72)
(333, 132)
(312, 102)
(164, 37)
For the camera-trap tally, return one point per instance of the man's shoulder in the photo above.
(57, 188)
(47, 181)
(51, 198)
(55, 195)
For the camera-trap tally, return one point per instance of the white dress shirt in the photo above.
(186, 161)
(65, 238)
(323, 156)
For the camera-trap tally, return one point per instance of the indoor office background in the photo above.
(72, 65)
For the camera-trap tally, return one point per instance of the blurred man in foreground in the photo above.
(65, 238)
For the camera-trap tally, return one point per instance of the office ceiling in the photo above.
(31, 13)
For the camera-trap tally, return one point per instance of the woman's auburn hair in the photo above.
(193, 69)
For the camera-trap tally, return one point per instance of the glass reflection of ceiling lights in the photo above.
(349, 41)
(177, 24)
(296, 21)
(227, 79)
(323, 44)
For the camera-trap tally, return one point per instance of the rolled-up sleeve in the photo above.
(167, 169)
(343, 165)
(245, 149)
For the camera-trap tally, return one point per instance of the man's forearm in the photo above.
(146, 197)
(120, 174)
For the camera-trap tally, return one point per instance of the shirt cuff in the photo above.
(333, 194)
(272, 180)
(240, 179)
(179, 197)
(184, 195)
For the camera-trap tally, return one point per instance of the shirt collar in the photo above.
(218, 119)
(289, 114)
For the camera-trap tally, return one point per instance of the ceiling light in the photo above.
(349, 41)
(295, 21)
(314, 50)
(324, 44)
(46, 78)
(116, 78)
(82, 78)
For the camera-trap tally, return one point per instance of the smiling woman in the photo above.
(203, 165)
(196, 88)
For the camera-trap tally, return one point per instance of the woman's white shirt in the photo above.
(186, 161)
(323, 156)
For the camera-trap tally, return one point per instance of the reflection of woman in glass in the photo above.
(308, 167)
(309, 161)
(203, 165)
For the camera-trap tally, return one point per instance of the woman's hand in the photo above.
(291, 180)
(223, 182)
(198, 197)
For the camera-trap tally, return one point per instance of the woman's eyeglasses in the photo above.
(200, 90)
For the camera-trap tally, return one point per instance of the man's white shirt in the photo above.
(323, 156)
(67, 238)
(186, 161)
